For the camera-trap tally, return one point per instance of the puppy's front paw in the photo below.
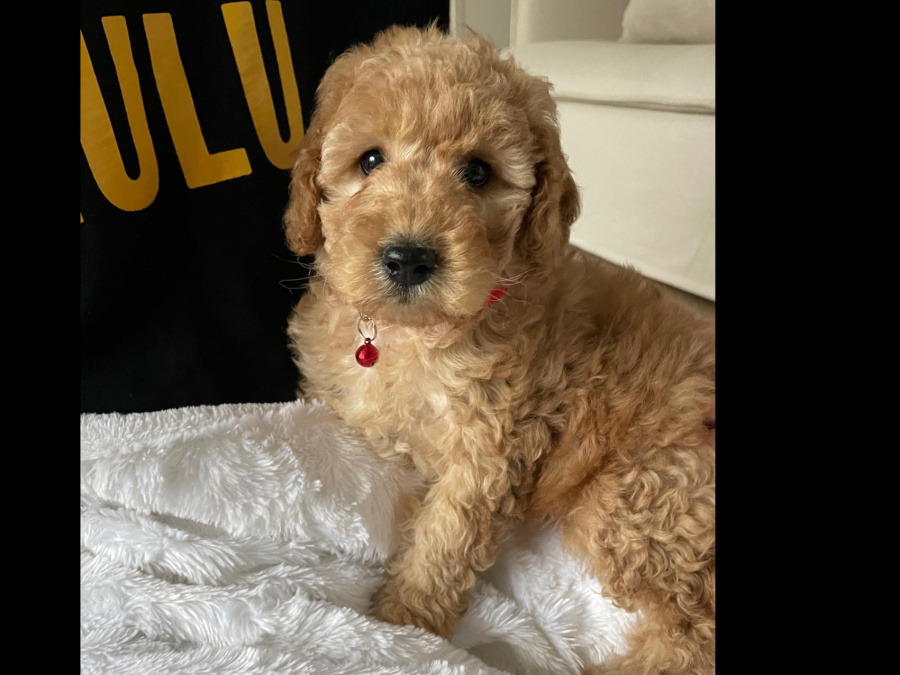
(391, 606)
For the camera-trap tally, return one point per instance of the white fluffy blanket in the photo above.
(250, 538)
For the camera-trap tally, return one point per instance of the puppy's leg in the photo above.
(648, 533)
(455, 533)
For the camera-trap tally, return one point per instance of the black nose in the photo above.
(408, 265)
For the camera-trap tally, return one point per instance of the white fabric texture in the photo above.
(660, 21)
(250, 538)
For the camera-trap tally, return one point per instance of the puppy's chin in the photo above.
(420, 310)
(417, 308)
(411, 314)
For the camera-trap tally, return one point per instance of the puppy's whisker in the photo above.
(296, 261)
(516, 279)
(317, 282)
(304, 281)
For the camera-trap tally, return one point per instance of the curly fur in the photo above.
(580, 397)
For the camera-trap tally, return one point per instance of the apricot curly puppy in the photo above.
(430, 180)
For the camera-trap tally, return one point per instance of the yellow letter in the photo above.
(200, 168)
(97, 137)
(248, 56)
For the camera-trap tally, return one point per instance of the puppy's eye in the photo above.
(477, 173)
(369, 160)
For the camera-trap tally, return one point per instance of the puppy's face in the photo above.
(423, 153)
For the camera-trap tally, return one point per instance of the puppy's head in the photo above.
(430, 171)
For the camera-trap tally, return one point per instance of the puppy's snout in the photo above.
(408, 265)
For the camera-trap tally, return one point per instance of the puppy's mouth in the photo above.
(405, 296)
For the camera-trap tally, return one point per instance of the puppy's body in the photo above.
(579, 397)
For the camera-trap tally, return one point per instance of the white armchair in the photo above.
(637, 121)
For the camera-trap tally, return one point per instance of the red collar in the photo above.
(495, 295)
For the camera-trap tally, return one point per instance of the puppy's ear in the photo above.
(555, 202)
(302, 226)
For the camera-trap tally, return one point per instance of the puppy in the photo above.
(521, 378)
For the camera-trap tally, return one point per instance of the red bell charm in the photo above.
(367, 354)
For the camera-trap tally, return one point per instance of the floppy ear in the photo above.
(555, 202)
(302, 226)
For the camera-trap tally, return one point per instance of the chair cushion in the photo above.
(670, 21)
(667, 77)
